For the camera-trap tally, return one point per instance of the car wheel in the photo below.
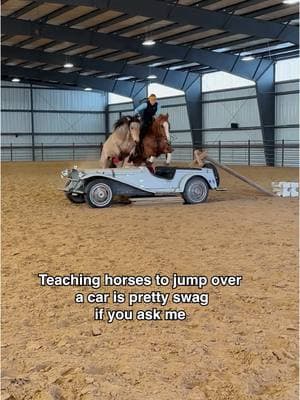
(195, 191)
(75, 198)
(98, 193)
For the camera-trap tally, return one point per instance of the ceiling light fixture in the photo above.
(290, 2)
(88, 89)
(15, 80)
(68, 65)
(151, 77)
(248, 58)
(148, 42)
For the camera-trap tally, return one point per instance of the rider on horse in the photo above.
(148, 110)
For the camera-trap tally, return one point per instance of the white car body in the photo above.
(137, 181)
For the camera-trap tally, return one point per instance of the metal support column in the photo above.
(265, 91)
(193, 96)
(138, 96)
(106, 115)
(32, 123)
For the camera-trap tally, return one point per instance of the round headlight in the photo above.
(65, 173)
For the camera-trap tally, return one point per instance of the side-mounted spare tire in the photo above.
(75, 198)
(98, 193)
(195, 190)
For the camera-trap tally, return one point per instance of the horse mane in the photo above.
(121, 121)
(164, 117)
(125, 119)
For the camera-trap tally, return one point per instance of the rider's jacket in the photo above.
(147, 111)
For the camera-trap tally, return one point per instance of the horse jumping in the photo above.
(122, 142)
(155, 142)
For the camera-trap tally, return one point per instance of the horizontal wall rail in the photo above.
(243, 153)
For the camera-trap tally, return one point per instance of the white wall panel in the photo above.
(290, 157)
(172, 101)
(229, 94)
(182, 155)
(69, 139)
(221, 114)
(233, 136)
(13, 84)
(121, 107)
(287, 69)
(288, 134)
(238, 156)
(216, 115)
(178, 117)
(287, 86)
(181, 137)
(19, 154)
(287, 109)
(257, 157)
(223, 80)
(167, 101)
(68, 100)
(12, 99)
(15, 122)
(49, 154)
(24, 140)
(113, 117)
(68, 122)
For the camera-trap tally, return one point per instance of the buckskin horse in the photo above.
(122, 142)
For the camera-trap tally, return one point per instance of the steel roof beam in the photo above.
(75, 21)
(44, 83)
(176, 79)
(224, 62)
(196, 16)
(123, 88)
(223, 34)
(162, 30)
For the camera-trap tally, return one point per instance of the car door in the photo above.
(156, 184)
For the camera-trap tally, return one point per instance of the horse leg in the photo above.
(169, 157)
(105, 160)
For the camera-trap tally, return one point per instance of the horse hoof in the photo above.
(122, 199)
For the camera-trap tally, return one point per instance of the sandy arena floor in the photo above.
(242, 346)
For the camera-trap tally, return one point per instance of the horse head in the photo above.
(162, 125)
(134, 125)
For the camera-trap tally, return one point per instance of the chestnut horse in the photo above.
(155, 142)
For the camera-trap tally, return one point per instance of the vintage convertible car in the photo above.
(99, 187)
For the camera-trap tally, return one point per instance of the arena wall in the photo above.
(57, 119)
(71, 124)
(221, 108)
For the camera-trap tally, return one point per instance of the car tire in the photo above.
(195, 191)
(98, 193)
(77, 199)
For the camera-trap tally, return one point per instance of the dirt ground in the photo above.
(242, 346)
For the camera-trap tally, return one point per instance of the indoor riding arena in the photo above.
(175, 277)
